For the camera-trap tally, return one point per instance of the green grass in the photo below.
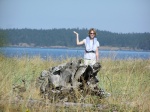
(128, 81)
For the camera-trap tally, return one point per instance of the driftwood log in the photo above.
(63, 80)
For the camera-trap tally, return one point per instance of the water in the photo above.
(64, 53)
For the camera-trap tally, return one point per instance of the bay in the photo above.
(62, 53)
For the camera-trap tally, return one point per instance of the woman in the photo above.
(91, 55)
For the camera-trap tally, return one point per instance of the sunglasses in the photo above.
(92, 33)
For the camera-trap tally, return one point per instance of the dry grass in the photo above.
(128, 81)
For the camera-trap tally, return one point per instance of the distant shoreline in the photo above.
(64, 47)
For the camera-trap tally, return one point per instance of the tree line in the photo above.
(66, 37)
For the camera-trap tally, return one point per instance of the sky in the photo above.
(120, 16)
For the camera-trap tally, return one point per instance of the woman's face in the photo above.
(92, 34)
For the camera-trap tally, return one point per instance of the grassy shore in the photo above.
(128, 81)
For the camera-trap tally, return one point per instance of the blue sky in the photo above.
(121, 16)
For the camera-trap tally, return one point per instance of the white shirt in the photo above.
(91, 56)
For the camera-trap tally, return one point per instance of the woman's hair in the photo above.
(92, 29)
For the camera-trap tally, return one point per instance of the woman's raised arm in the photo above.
(77, 39)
